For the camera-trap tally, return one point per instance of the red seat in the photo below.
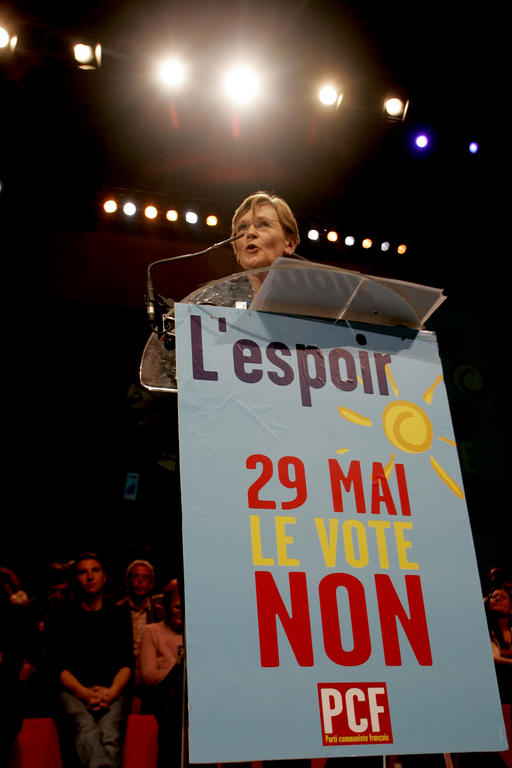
(37, 745)
(141, 742)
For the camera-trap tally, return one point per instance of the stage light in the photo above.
(332, 236)
(7, 40)
(328, 95)
(367, 243)
(110, 206)
(129, 209)
(191, 217)
(87, 56)
(150, 212)
(384, 246)
(421, 141)
(172, 73)
(171, 215)
(401, 248)
(473, 147)
(241, 85)
(349, 240)
(313, 234)
(211, 221)
(395, 108)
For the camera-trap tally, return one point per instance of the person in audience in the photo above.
(12, 586)
(37, 688)
(499, 617)
(161, 667)
(498, 576)
(142, 607)
(498, 607)
(91, 653)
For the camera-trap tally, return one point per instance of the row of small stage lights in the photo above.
(151, 213)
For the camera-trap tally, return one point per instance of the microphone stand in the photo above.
(157, 306)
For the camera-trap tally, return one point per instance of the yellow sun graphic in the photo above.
(408, 428)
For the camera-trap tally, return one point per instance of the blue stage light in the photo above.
(421, 141)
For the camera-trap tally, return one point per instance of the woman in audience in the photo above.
(499, 616)
(161, 669)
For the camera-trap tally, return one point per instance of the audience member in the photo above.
(498, 576)
(91, 650)
(11, 585)
(142, 607)
(38, 688)
(161, 655)
(499, 617)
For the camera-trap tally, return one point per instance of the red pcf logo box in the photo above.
(354, 713)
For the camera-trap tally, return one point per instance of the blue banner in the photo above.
(333, 605)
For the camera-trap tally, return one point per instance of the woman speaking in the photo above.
(263, 229)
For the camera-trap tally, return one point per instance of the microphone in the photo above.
(150, 300)
(154, 302)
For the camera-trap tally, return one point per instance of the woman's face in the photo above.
(174, 614)
(500, 602)
(264, 238)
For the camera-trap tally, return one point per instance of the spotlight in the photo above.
(211, 221)
(7, 40)
(401, 248)
(87, 56)
(367, 243)
(191, 217)
(313, 234)
(150, 212)
(110, 206)
(241, 85)
(171, 215)
(384, 246)
(332, 236)
(129, 209)
(350, 240)
(421, 141)
(473, 147)
(172, 73)
(328, 95)
(395, 108)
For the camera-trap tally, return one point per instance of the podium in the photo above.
(298, 288)
(333, 605)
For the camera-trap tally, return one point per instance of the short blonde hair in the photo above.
(283, 210)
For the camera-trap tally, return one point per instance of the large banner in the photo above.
(333, 605)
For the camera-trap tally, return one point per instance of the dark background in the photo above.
(74, 321)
